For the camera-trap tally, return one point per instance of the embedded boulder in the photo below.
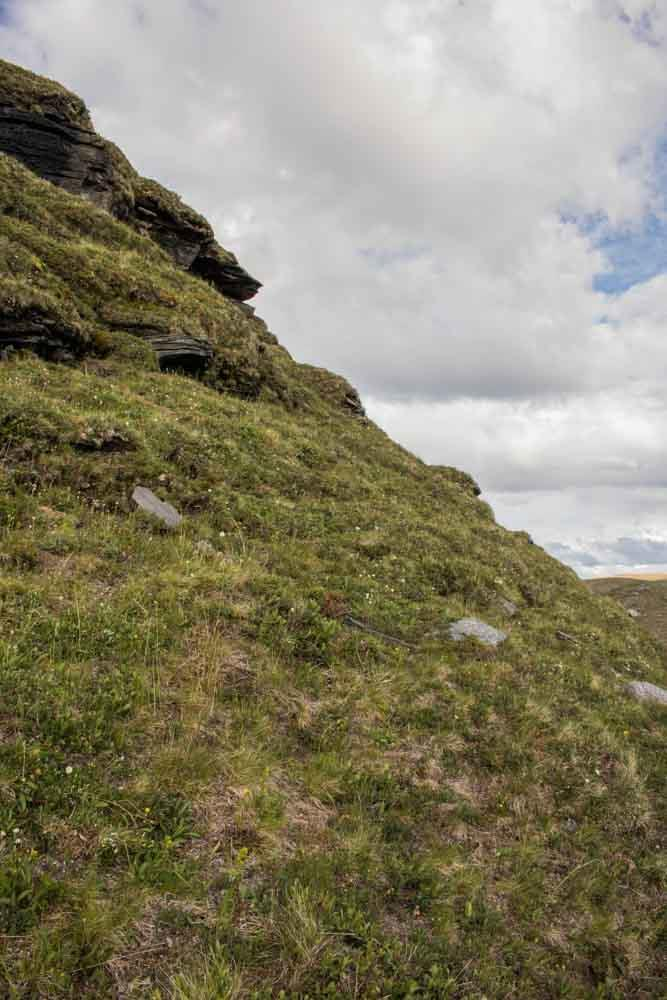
(146, 500)
(336, 389)
(473, 627)
(643, 691)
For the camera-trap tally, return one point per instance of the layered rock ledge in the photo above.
(50, 131)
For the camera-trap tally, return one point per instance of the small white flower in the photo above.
(69, 769)
(16, 830)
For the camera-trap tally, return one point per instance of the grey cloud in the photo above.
(572, 557)
(620, 554)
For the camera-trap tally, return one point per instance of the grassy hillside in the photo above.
(213, 785)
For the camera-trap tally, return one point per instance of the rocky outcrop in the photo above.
(49, 131)
(46, 335)
(77, 280)
(31, 319)
(176, 350)
(221, 268)
(72, 157)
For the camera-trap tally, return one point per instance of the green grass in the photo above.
(197, 732)
(211, 786)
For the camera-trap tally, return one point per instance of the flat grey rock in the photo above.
(147, 501)
(486, 634)
(633, 612)
(643, 691)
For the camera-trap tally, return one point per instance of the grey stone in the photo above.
(643, 691)
(633, 612)
(148, 502)
(486, 634)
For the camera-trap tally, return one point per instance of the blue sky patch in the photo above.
(633, 257)
(5, 11)
(638, 254)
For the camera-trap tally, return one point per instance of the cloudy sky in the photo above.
(461, 205)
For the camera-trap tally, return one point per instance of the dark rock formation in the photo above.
(71, 157)
(181, 353)
(221, 268)
(51, 134)
(49, 336)
(176, 351)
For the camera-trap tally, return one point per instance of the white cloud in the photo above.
(403, 177)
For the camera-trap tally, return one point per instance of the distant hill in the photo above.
(244, 753)
(644, 595)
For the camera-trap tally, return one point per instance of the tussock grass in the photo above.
(194, 732)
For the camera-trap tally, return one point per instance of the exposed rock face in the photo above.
(50, 132)
(37, 325)
(108, 284)
(221, 268)
(175, 350)
(47, 337)
(73, 157)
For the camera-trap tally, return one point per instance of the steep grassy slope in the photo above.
(212, 785)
